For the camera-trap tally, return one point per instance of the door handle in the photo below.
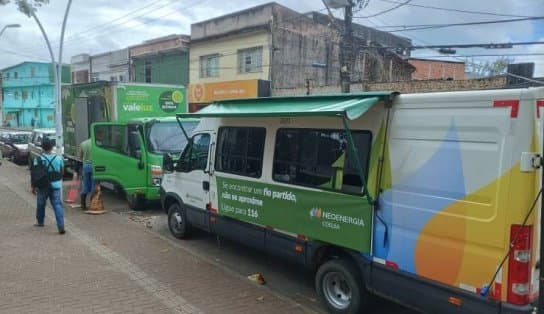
(206, 185)
(100, 168)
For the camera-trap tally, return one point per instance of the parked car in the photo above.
(36, 142)
(14, 145)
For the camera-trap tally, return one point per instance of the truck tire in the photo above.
(340, 288)
(177, 221)
(136, 202)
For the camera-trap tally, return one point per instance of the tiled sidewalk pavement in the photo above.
(106, 264)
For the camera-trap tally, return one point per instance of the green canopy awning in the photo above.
(352, 106)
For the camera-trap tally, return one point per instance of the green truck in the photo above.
(131, 127)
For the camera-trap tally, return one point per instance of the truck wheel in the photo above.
(177, 221)
(340, 288)
(136, 202)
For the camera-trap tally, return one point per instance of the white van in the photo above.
(398, 195)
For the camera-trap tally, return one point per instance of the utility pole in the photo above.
(57, 71)
(346, 49)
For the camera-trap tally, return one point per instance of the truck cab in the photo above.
(128, 156)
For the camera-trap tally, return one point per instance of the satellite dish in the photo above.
(335, 4)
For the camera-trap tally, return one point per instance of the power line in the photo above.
(433, 26)
(22, 54)
(75, 38)
(456, 10)
(488, 46)
(470, 63)
(385, 11)
(480, 55)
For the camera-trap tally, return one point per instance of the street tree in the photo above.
(489, 68)
(29, 8)
(26, 6)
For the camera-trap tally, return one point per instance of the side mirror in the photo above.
(167, 163)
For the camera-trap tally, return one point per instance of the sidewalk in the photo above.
(106, 264)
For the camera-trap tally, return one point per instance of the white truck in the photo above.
(430, 200)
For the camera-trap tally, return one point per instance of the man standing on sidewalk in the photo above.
(55, 170)
(87, 182)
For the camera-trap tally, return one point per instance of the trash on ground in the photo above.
(258, 278)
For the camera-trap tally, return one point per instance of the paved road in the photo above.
(109, 264)
(134, 253)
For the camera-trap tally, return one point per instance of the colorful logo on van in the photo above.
(316, 212)
(320, 213)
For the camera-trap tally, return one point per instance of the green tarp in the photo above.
(352, 106)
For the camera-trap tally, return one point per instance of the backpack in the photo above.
(40, 176)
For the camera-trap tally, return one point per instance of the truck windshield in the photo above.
(167, 137)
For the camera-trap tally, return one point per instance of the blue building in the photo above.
(28, 93)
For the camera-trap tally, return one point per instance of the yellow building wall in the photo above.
(227, 48)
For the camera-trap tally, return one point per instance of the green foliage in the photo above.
(26, 6)
(489, 68)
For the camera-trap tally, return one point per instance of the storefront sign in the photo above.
(209, 92)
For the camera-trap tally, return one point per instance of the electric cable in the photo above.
(384, 11)
(456, 10)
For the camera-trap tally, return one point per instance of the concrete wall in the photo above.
(404, 87)
(160, 45)
(109, 66)
(81, 68)
(304, 50)
(255, 17)
(435, 70)
(172, 68)
(227, 48)
(366, 34)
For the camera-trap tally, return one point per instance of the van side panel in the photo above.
(455, 186)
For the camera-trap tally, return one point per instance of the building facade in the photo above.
(427, 69)
(108, 66)
(253, 52)
(28, 90)
(81, 68)
(163, 60)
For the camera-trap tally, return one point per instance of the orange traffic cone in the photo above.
(97, 206)
(74, 188)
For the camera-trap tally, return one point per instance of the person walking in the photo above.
(87, 182)
(55, 170)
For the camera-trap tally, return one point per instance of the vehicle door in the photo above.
(36, 145)
(4, 144)
(118, 156)
(193, 177)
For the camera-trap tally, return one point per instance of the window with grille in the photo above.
(147, 71)
(209, 66)
(250, 60)
(320, 158)
(240, 151)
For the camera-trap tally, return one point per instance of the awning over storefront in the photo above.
(352, 106)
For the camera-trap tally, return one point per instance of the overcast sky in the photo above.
(103, 25)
